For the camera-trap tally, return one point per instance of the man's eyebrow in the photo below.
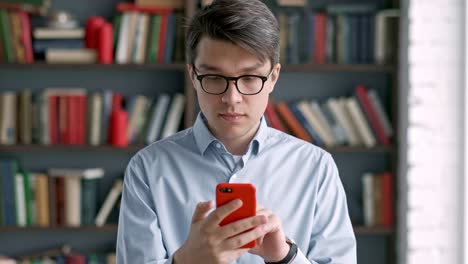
(208, 67)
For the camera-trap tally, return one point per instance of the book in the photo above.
(386, 36)
(58, 33)
(20, 200)
(300, 116)
(377, 105)
(174, 115)
(368, 199)
(291, 122)
(109, 203)
(157, 118)
(72, 189)
(361, 94)
(78, 56)
(359, 120)
(42, 199)
(25, 116)
(95, 108)
(317, 110)
(313, 120)
(8, 128)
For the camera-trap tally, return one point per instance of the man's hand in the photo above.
(272, 247)
(211, 244)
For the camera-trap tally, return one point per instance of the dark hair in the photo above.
(248, 24)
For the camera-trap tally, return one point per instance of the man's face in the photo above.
(231, 116)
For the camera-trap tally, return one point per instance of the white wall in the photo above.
(431, 132)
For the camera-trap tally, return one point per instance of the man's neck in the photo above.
(239, 146)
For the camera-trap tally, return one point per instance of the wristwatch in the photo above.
(290, 256)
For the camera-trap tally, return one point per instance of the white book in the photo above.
(109, 203)
(78, 56)
(94, 119)
(384, 46)
(20, 200)
(314, 122)
(57, 33)
(349, 122)
(174, 115)
(122, 44)
(135, 114)
(157, 118)
(377, 105)
(338, 131)
(132, 29)
(368, 199)
(139, 49)
(8, 111)
(323, 121)
(359, 121)
(72, 190)
(338, 113)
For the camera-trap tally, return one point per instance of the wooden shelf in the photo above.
(135, 148)
(363, 230)
(181, 67)
(358, 230)
(90, 228)
(339, 68)
(39, 65)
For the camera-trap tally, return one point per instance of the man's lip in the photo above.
(231, 114)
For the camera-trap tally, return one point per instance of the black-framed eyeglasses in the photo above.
(217, 84)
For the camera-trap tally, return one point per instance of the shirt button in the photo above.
(234, 176)
(218, 145)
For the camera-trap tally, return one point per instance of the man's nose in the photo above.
(232, 95)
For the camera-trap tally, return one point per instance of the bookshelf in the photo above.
(310, 81)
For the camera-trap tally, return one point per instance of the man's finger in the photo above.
(221, 212)
(240, 226)
(244, 238)
(201, 210)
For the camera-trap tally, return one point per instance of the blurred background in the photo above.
(380, 84)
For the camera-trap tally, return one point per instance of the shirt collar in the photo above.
(203, 136)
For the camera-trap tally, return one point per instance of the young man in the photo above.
(233, 53)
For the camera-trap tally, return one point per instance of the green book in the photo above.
(154, 44)
(6, 36)
(28, 199)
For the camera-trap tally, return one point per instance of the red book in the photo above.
(290, 120)
(320, 38)
(63, 125)
(71, 119)
(363, 98)
(60, 200)
(75, 259)
(126, 7)
(274, 119)
(388, 209)
(162, 38)
(26, 36)
(81, 102)
(53, 120)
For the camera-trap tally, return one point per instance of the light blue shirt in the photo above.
(298, 181)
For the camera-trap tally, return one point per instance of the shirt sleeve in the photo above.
(139, 237)
(332, 238)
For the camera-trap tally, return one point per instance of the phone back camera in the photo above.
(226, 190)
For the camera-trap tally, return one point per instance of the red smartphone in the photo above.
(226, 192)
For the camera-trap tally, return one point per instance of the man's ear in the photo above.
(191, 74)
(274, 76)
